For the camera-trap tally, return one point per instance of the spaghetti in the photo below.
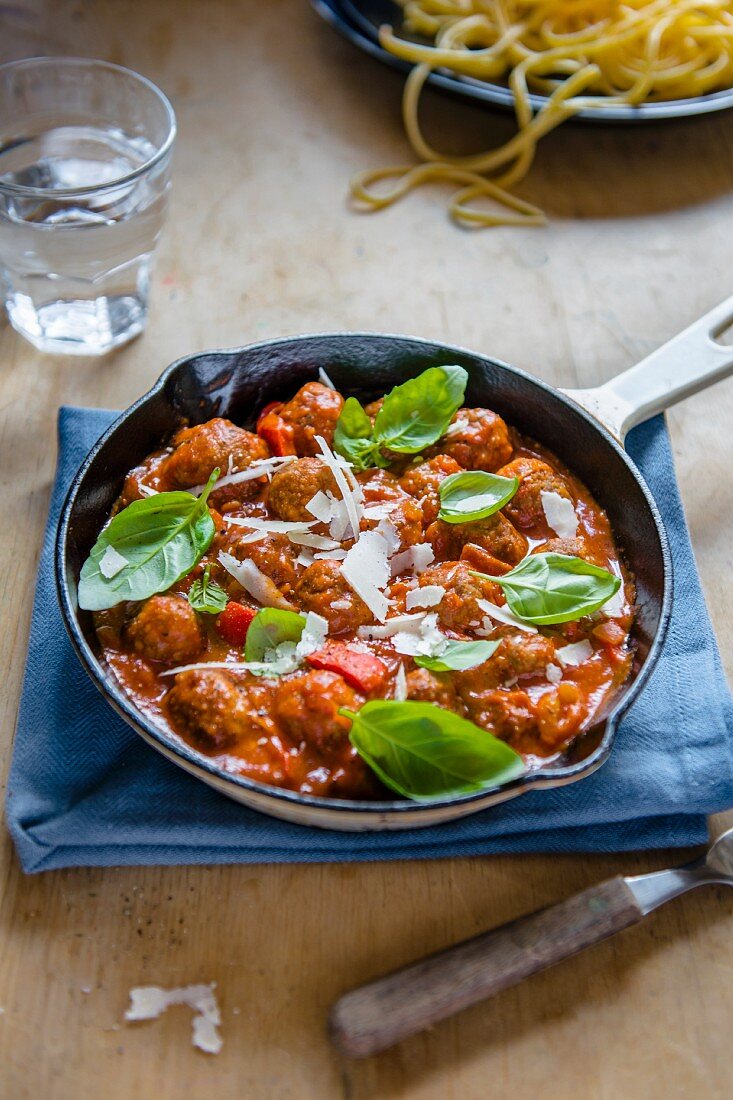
(580, 54)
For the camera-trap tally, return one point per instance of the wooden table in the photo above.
(275, 115)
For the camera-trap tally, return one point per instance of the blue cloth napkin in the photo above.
(85, 790)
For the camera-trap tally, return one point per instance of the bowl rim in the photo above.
(194, 761)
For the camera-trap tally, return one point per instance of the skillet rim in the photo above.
(542, 779)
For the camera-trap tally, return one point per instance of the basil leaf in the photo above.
(269, 629)
(474, 494)
(423, 752)
(160, 538)
(353, 437)
(206, 595)
(556, 588)
(418, 412)
(458, 656)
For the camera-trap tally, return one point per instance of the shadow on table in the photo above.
(581, 170)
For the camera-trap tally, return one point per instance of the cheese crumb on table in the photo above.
(148, 1002)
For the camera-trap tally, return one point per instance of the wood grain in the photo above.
(275, 113)
(379, 1015)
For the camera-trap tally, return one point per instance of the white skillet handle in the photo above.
(690, 361)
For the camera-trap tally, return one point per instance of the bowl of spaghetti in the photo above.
(551, 60)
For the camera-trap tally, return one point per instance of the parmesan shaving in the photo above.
(416, 558)
(324, 379)
(147, 490)
(264, 590)
(254, 536)
(271, 526)
(366, 568)
(111, 563)
(553, 674)
(331, 555)
(400, 684)
(616, 605)
(574, 654)
(321, 507)
(504, 615)
(560, 514)
(395, 625)
(305, 558)
(264, 468)
(315, 542)
(429, 596)
(349, 497)
(148, 1002)
(389, 533)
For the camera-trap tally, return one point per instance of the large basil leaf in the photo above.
(474, 494)
(146, 548)
(206, 595)
(269, 629)
(458, 656)
(416, 414)
(423, 752)
(556, 588)
(353, 437)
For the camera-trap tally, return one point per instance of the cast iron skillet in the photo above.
(237, 383)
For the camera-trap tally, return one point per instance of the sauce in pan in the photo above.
(284, 509)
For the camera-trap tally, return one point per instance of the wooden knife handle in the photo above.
(377, 1015)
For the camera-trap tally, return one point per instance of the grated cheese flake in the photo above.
(400, 684)
(264, 468)
(271, 526)
(264, 590)
(553, 674)
(348, 495)
(560, 514)
(324, 379)
(321, 507)
(395, 625)
(111, 563)
(574, 654)
(148, 1002)
(366, 568)
(504, 615)
(416, 558)
(428, 596)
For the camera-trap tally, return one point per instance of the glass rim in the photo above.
(43, 61)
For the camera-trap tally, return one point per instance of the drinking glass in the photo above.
(85, 152)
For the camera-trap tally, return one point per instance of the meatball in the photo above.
(574, 548)
(423, 482)
(495, 534)
(535, 477)
(198, 450)
(459, 610)
(323, 588)
(382, 488)
(477, 439)
(560, 714)
(509, 715)
(274, 555)
(313, 411)
(293, 486)
(217, 714)
(424, 686)
(516, 656)
(306, 707)
(166, 629)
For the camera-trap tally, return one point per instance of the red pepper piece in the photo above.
(483, 561)
(272, 407)
(362, 671)
(277, 434)
(233, 622)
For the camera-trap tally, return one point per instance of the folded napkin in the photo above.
(85, 790)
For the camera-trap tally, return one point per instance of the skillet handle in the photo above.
(689, 362)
